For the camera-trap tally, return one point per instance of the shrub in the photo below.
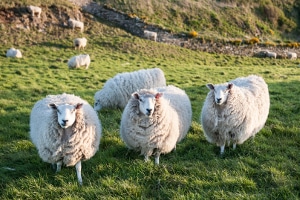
(253, 40)
(193, 34)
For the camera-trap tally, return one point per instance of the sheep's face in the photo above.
(66, 113)
(97, 105)
(220, 92)
(147, 102)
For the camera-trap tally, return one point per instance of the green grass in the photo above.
(264, 168)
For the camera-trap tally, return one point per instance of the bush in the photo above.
(193, 34)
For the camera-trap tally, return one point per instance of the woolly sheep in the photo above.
(35, 11)
(80, 60)
(150, 35)
(270, 54)
(292, 55)
(80, 43)
(155, 120)
(65, 130)
(14, 53)
(117, 91)
(235, 111)
(74, 24)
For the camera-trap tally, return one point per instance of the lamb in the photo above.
(292, 55)
(270, 54)
(14, 53)
(117, 91)
(80, 60)
(35, 11)
(150, 35)
(65, 129)
(80, 43)
(155, 120)
(235, 111)
(74, 24)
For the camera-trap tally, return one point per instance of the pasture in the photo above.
(264, 168)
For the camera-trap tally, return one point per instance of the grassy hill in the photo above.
(264, 168)
(220, 18)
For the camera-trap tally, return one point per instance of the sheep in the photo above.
(117, 91)
(292, 55)
(14, 53)
(80, 60)
(65, 129)
(150, 35)
(74, 24)
(270, 54)
(235, 111)
(80, 43)
(35, 11)
(155, 120)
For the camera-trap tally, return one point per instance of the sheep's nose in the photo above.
(149, 110)
(219, 100)
(65, 121)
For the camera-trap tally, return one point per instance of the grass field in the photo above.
(264, 168)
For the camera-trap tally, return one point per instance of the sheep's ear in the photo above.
(136, 95)
(78, 106)
(158, 95)
(53, 106)
(210, 86)
(230, 85)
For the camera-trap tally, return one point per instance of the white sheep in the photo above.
(150, 35)
(80, 43)
(80, 60)
(292, 55)
(65, 130)
(75, 24)
(117, 91)
(35, 11)
(14, 53)
(235, 111)
(270, 54)
(155, 120)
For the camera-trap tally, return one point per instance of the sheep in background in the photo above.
(80, 60)
(150, 35)
(80, 43)
(74, 24)
(14, 53)
(270, 54)
(235, 111)
(65, 130)
(35, 11)
(292, 55)
(117, 91)
(155, 120)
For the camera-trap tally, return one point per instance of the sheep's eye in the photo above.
(140, 100)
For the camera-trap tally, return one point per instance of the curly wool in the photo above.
(241, 116)
(168, 125)
(78, 142)
(117, 91)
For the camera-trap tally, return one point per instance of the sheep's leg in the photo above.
(222, 149)
(234, 146)
(157, 158)
(78, 172)
(58, 166)
(146, 158)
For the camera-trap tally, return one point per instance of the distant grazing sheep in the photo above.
(292, 55)
(270, 54)
(80, 60)
(74, 24)
(150, 35)
(117, 91)
(35, 11)
(80, 43)
(235, 111)
(14, 53)
(155, 120)
(65, 130)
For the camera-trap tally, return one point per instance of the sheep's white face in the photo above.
(147, 102)
(97, 105)
(220, 91)
(66, 113)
